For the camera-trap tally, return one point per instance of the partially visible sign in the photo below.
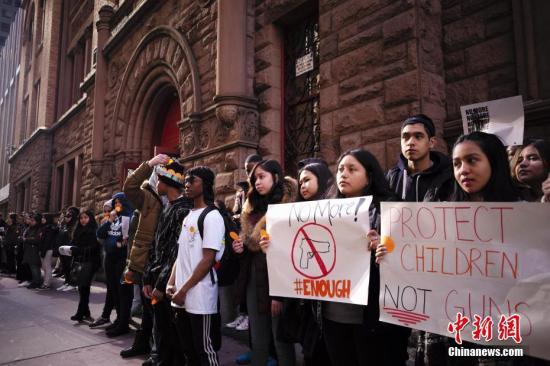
(502, 117)
(304, 64)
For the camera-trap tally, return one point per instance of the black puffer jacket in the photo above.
(433, 184)
(31, 242)
(164, 250)
(85, 247)
(48, 235)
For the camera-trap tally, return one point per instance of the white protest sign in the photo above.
(318, 250)
(502, 117)
(485, 259)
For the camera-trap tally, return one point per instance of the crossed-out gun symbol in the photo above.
(307, 253)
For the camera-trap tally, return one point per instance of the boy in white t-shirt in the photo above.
(193, 283)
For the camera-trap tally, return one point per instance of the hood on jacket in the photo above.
(127, 208)
(432, 184)
(440, 163)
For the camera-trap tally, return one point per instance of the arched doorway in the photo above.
(167, 137)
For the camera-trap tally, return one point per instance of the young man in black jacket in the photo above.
(164, 252)
(421, 175)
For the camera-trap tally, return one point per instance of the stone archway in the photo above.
(163, 59)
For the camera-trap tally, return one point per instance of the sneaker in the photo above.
(44, 287)
(236, 322)
(243, 325)
(33, 286)
(24, 284)
(244, 359)
(80, 317)
(69, 288)
(62, 287)
(99, 322)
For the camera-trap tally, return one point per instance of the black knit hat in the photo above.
(171, 174)
(422, 119)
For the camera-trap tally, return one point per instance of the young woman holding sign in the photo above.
(481, 170)
(352, 333)
(267, 186)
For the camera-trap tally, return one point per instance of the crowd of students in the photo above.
(166, 234)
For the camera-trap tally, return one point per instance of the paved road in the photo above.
(35, 329)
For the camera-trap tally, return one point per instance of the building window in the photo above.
(68, 181)
(24, 120)
(59, 178)
(29, 38)
(36, 96)
(301, 92)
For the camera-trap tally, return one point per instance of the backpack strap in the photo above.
(202, 216)
(200, 224)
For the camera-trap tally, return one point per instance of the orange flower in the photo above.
(264, 234)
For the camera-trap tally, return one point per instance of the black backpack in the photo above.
(227, 268)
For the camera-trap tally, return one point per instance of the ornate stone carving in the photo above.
(96, 167)
(204, 137)
(227, 114)
(236, 122)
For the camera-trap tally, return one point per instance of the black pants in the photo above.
(350, 344)
(23, 272)
(126, 299)
(84, 300)
(66, 262)
(10, 258)
(114, 266)
(199, 336)
(165, 335)
(147, 316)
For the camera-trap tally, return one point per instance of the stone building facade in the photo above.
(215, 80)
(9, 80)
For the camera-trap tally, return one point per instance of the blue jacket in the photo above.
(112, 234)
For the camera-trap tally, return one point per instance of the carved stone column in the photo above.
(236, 106)
(103, 32)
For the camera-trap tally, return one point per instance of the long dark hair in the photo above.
(377, 185)
(258, 202)
(325, 180)
(500, 187)
(543, 148)
(90, 227)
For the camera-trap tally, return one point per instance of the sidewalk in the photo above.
(35, 329)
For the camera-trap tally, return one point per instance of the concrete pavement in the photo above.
(35, 329)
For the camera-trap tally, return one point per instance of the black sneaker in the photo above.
(99, 322)
(33, 286)
(148, 362)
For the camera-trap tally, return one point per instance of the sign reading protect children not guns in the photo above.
(473, 271)
(319, 251)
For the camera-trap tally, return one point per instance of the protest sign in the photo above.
(502, 117)
(490, 260)
(318, 250)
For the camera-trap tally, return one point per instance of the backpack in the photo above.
(227, 268)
